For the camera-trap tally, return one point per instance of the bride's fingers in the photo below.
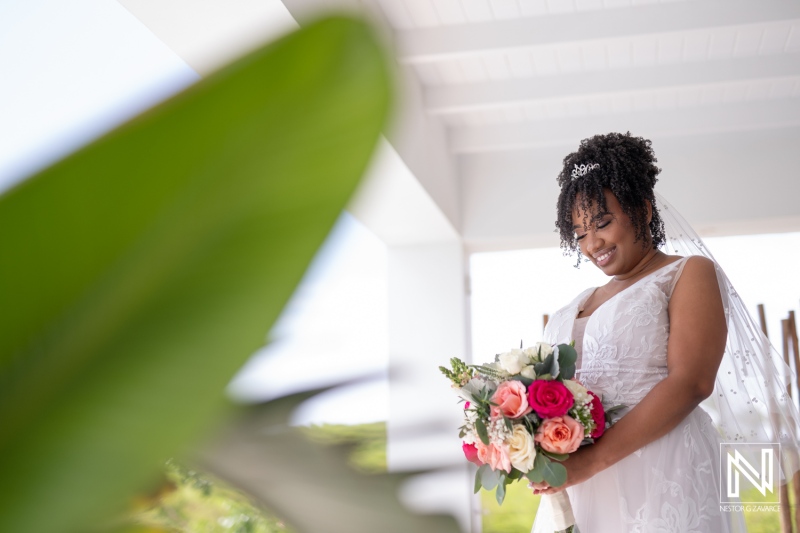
(551, 490)
(538, 488)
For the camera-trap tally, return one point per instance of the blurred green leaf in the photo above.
(545, 367)
(500, 493)
(479, 478)
(489, 478)
(480, 427)
(567, 356)
(308, 483)
(554, 473)
(141, 272)
(556, 456)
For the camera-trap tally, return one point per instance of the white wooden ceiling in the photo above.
(494, 93)
(516, 62)
(516, 84)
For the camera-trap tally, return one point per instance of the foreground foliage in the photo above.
(196, 502)
(141, 272)
(192, 501)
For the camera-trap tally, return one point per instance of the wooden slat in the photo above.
(762, 318)
(792, 331)
(786, 512)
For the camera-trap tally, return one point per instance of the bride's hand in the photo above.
(580, 467)
(538, 488)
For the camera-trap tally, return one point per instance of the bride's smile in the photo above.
(609, 239)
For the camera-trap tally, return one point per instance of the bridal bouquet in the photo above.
(524, 414)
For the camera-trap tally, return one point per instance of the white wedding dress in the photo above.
(671, 484)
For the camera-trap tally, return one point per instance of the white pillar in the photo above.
(427, 326)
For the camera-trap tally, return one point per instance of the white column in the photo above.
(427, 326)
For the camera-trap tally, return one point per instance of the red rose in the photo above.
(471, 453)
(549, 398)
(598, 415)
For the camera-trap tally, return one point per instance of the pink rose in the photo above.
(471, 453)
(511, 400)
(466, 406)
(598, 415)
(498, 457)
(562, 434)
(549, 398)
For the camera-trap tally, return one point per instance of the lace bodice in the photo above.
(624, 349)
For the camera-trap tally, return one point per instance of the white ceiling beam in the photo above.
(651, 124)
(207, 34)
(435, 44)
(458, 98)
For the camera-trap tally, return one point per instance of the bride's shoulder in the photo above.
(697, 264)
(695, 271)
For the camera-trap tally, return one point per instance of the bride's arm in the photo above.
(696, 344)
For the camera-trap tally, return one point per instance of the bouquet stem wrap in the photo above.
(558, 507)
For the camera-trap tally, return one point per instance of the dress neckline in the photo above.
(583, 300)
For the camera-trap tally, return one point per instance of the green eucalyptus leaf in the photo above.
(142, 271)
(545, 367)
(514, 475)
(480, 427)
(525, 381)
(540, 463)
(479, 477)
(500, 493)
(615, 409)
(489, 478)
(554, 473)
(567, 356)
(556, 456)
(535, 475)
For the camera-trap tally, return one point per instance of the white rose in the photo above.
(521, 449)
(528, 372)
(513, 361)
(539, 348)
(578, 391)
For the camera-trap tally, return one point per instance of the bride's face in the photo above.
(608, 238)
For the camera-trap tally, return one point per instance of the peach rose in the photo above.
(511, 399)
(562, 434)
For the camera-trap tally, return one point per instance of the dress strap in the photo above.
(682, 263)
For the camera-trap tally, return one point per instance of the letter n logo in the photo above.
(746, 466)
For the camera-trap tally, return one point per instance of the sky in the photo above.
(72, 71)
(82, 67)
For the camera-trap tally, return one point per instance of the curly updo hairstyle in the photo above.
(620, 162)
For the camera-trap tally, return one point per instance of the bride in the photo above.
(653, 339)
